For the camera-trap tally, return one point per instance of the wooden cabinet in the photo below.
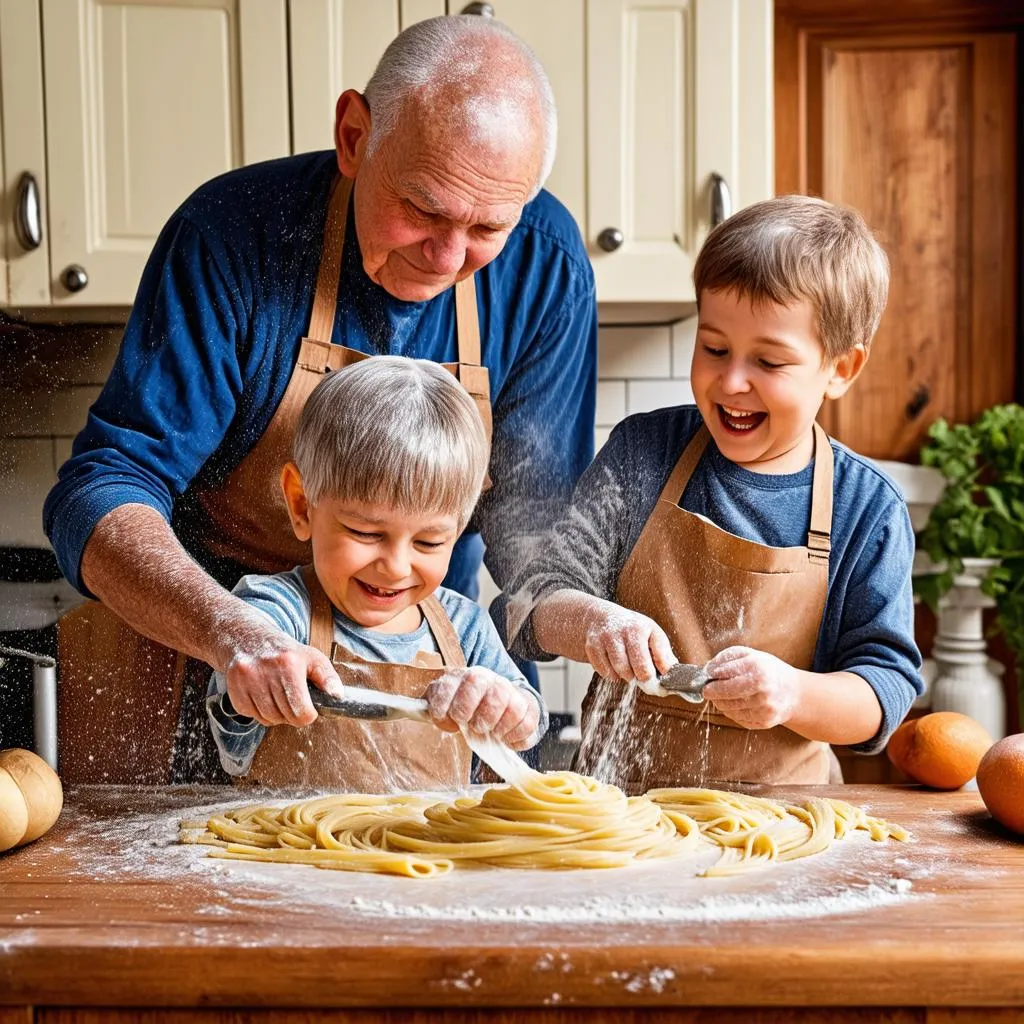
(913, 120)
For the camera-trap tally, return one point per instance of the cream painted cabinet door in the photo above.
(678, 91)
(556, 32)
(335, 45)
(145, 100)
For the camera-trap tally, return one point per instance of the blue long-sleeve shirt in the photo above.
(868, 624)
(215, 329)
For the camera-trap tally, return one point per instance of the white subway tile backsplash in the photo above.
(552, 686)
(635, 352)
(648, 395)
(601, 434)
(611, 402)
(44, 413)
(684, 336)
(26, 475)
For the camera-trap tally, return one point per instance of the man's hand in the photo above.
(267, 680)
(625, 645)
(755, 689)
(485, 703)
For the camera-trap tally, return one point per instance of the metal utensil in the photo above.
(688, 681)
(371, 705)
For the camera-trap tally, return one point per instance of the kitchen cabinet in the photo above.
(657, 100)
(913, 119)
(143, 102)
(112, 111)
(678, 99)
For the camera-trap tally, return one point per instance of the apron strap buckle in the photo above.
(819, 546)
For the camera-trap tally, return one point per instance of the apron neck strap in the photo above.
(325, 299)
(321, 622)
(467, 321)
(321, 614)
(444, 632)
(819, 537)
(680, 476)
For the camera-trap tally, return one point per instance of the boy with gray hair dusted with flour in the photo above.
(389, 459)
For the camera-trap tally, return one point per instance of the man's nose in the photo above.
(446, 251)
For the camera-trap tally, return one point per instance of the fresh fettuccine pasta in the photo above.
(553, 820)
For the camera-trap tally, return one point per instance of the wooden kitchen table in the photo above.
(107, 912)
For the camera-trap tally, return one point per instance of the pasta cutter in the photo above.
(371, 705)
(687, 681)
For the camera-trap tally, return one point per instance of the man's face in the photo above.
(430, 209)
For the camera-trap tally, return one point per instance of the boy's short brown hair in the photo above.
(798, 247)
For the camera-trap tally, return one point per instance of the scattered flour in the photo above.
(854, 876)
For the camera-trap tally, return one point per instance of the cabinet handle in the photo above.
(610, 239)
(28, 223)
(74, 278)
(721, 200)
(484, 10)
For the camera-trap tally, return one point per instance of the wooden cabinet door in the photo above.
(677, 90)
(145, 100)
(917, 128)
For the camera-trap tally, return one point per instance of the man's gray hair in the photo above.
(395, 432)
(498, 82)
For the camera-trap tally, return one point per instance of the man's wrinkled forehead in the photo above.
(501, 127)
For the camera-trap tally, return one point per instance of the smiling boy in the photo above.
(736, 534)
(389, 458)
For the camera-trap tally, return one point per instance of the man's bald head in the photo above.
(465, 80)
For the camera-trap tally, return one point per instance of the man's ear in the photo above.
(295, 499)
(351, 131)
(846, 370)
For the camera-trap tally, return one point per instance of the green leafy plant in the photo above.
(980, 515)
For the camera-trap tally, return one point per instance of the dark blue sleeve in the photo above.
(543, 435)
(168, 401)
(876, 638)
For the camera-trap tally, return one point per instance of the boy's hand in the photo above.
(267, 679)
(755, 689)
(484, 702)
(625, 645)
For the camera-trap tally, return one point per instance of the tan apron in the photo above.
(709, 590)
(125, 702)
(368, 757)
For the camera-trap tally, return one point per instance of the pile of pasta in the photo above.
(552, 820)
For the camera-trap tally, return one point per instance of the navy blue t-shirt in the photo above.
(868, 624)
(215, 329)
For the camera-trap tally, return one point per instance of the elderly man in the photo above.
(425, 233)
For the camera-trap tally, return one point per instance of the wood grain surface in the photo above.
(104, 912)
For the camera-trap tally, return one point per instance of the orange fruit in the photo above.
(942, 750)
(1001, 782)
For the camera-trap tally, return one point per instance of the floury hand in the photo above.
(624, 645)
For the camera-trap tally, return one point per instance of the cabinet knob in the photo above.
(74, 278)
(610, 239)
(28, 223)
(484, 10)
